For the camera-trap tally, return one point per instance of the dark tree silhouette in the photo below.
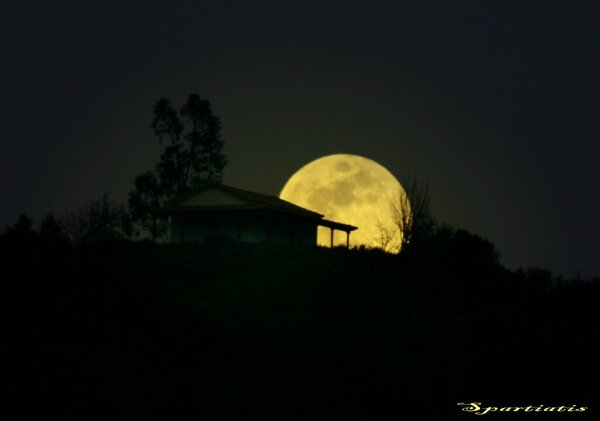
(465, 250)
(52, 230)
(21, 231)
(99, 220)
(412, 214)
(191, 158)
(146, 196)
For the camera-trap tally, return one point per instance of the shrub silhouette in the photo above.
(237, 330)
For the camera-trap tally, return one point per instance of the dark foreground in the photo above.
(126, 330)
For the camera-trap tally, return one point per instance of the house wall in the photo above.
(251, 228)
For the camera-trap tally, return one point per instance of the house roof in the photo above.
(253, 201)
(337, 225)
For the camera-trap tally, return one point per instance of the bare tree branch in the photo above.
(411, 213)
(100, 219)
(387, 238)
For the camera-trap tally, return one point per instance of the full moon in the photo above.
(352, 190)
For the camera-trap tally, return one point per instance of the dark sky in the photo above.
(494, 103)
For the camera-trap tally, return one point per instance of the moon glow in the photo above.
(349, 189)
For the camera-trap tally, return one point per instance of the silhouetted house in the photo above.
(220, 213)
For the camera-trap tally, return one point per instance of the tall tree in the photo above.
(191, 157)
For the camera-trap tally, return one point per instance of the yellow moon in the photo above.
(352, 190)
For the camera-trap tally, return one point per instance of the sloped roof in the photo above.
(253, 201)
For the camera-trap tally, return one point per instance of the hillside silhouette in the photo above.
(236, 331)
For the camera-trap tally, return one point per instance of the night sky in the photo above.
(494, 103)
